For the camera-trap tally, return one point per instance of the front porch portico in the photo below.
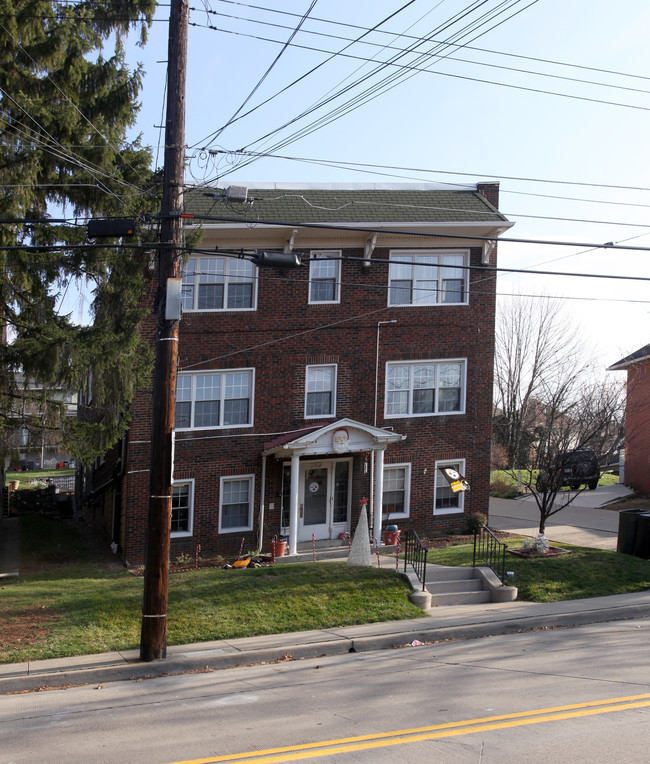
(336, 440)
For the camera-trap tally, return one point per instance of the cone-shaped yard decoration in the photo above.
(360, 547)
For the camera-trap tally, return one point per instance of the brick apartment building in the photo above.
(637, 419)
(302, 391)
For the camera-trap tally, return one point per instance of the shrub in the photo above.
(503, 489)
(476, 521)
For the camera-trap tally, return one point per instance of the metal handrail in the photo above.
(491, 551)
(415, 554)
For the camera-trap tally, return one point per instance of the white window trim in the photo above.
(326, 254)
(190, 532)
(251, 501)
(334, 389)
(407, 492)
(255, 281)
(192, 401)
(396, 254)
(463, 388)
(459, 464)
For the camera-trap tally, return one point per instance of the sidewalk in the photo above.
(594, 527)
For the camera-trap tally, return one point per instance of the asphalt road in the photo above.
(569, 695)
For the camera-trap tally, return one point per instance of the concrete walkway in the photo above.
(582, 523)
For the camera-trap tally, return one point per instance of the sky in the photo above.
(551, 98)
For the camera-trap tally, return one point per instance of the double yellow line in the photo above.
(431, 732)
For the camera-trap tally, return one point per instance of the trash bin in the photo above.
(628, 520)
(642, 543)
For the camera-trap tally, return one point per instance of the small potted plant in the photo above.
(391, 535)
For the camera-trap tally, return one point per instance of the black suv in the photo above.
(572, 468)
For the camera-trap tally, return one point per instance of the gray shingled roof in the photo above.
(341, 206)
(642, 354)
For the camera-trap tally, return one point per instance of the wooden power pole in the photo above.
(153, 637)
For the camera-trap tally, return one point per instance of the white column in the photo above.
(293, 505)
(379, 490)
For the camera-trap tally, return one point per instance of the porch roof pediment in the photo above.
(340, 437)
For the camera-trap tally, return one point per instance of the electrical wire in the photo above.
(372, 91)
(60, 152)
(213, 136)
(269, 69)
(370, 229)
(365, 165)
(462, 46)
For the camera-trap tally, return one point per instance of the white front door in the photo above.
(324, 499)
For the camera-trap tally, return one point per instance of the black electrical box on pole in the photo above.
(153, 637)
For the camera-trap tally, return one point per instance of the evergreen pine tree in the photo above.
(66, 106)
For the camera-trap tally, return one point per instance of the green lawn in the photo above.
(503, 483)
(76, 608)
(24, 476)
(581, 573)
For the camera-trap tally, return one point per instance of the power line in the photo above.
(303, 76)
(294, 32)
(455, 58)
(363, 165)
(380, 87)
(369, 229)
(462, 46)
(416, 69)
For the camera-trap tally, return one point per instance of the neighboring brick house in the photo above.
(637, 418)
(302, 391)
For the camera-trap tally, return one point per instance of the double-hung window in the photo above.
(219, 399)
(445, 501)
(182, 508)
(320, 391)
(422, 388)
(395, 497)
(427, 278)
(324, 277)
(236, 503)
(218, 283)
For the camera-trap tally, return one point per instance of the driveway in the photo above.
(582, 523)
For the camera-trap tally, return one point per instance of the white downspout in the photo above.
(374, 470)
(379, 490)
(260, 537)
(293, 521)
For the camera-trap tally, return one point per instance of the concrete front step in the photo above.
(462, 585)
(446, 573)
(460, 598)
(455, 586)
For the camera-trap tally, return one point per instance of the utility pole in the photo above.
(153, 636)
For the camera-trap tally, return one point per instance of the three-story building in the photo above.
(302, 391)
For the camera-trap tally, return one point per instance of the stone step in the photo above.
(462, 585)
(445, 573)
(460, 598)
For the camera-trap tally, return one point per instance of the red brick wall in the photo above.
(279, 339)
(637, 428)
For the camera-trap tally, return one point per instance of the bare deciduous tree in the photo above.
(535, 342)
(550, 403)
(578, 414)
